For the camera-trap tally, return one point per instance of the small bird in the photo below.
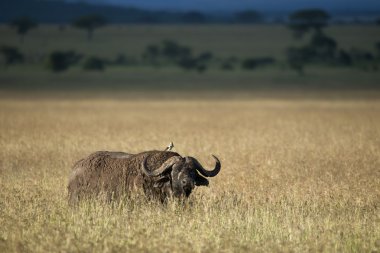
(170, 147)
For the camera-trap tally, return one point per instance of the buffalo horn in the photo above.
(208, 173)
(164, 167)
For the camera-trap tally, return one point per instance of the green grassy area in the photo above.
(221, 40)
(173, 78)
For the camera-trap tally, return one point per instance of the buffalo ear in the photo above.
(160, 182)
(201, 181)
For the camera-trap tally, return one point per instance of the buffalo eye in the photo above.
(184, 181)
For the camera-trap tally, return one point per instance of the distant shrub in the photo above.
(168, 51)
(253, 63)
(61, 60)
(188, 63)
(151, 54)
(363, 59)
(193, 63)
(361, 55)
(323, 47)
(57, 62)
(174, 51)
(323, 50)
(344, 58)
(171, 52)
(94, 63)
(11, 55)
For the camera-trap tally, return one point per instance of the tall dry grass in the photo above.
(296, 175)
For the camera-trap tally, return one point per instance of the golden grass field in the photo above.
(297, 175)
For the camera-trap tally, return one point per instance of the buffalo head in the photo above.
(178, 175)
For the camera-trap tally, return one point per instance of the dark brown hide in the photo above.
(115, 174)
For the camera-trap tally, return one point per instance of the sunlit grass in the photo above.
(296, 175)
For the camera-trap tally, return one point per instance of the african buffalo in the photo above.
(157, 174)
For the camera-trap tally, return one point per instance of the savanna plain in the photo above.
(297, 175)
(300, 154)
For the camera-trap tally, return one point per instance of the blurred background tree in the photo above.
(323, 47)
(173, 51)
(59, 61)
(23, 25)
(253, 63)
(90, 23)
(11, 55)
(303, 21)
(320, 49)
(151, 55)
